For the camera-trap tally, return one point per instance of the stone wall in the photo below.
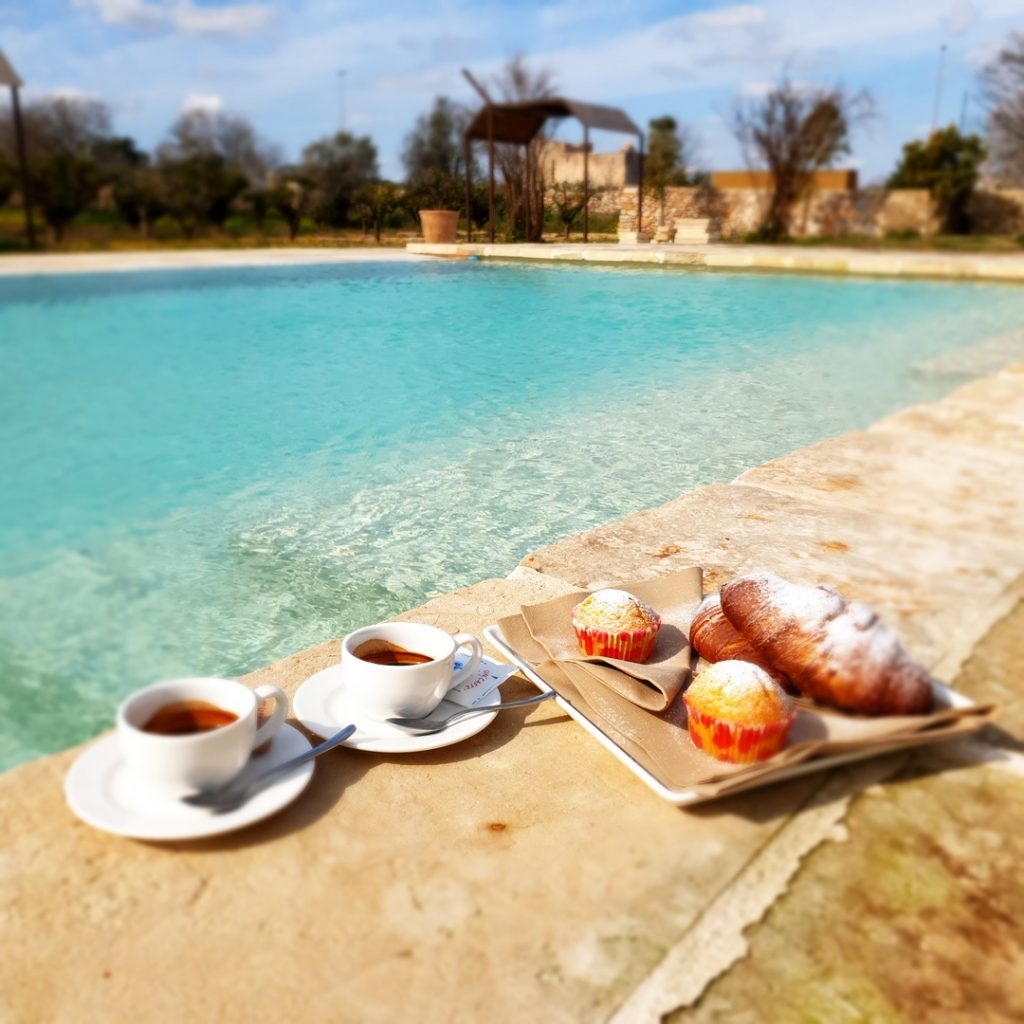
(998, 212)
(563, 161)
(737, 212)
(825, 212)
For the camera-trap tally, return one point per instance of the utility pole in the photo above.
(341, 99)
(938, 87)
(9, 77)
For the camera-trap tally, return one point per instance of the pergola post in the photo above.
(490, 172)
(469, 186)
(586, 182)
(528, 198)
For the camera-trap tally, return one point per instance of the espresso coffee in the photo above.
(381, 652)
(188, 716)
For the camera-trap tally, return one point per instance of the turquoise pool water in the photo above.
(204, 471)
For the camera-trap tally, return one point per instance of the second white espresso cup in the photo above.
(413, 690)
(174, 763)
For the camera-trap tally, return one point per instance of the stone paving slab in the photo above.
(987, 412)
(786, 258)
(190, 259)
(935, 484)
(914, 917)
(921, 581)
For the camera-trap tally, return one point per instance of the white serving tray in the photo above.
(944, 697)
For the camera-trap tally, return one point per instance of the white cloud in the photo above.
(738, 16)
(209, 102)
(231, 20)
(962, 17)
(758, 90)
(71, 93)
(183, 16)
(134, 13)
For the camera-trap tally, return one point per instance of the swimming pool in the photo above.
(205, 471)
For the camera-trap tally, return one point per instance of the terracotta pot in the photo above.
(439, 226)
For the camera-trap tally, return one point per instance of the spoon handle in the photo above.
(320, 748)
(426, 725)
(234, 794)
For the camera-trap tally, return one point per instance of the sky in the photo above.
(303, 69)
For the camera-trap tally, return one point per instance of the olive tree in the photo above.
(339, 166)
(665, 163)
(434, 158)
(947, 164)
(290, 197)
(63, 137)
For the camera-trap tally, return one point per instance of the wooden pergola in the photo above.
(520, 123)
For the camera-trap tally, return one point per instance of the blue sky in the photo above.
(278, 62)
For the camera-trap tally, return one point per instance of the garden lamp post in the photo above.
(9, 77)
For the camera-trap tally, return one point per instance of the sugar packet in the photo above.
(473, 691)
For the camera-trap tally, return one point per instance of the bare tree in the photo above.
(794, 132)
(202, 133)
(521, 166)
(1003, 87)
(568, 199)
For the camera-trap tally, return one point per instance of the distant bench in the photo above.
(692, 231)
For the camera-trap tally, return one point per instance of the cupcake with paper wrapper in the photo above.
(736, 712)
(615, 624)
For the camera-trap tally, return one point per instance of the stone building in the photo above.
(563, 161)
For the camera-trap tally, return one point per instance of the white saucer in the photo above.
(101, 791)
(323, 706)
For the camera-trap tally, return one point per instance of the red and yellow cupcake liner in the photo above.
(626, 645)
(739, 744)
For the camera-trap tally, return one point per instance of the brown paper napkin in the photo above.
(653, 684)
(660, 743)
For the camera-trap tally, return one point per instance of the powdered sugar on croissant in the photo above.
(834, 650)
(716, 639)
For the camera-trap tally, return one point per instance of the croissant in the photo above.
(715, 638)
(834, 650)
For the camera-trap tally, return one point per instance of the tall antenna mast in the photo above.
(341, 99)
(938, 86)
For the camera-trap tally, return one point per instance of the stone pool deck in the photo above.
(31, 264)
(1008, 267)
(526, 875)
(771, 258)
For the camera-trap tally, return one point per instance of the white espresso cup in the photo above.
(385, 691)
(185, 735)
